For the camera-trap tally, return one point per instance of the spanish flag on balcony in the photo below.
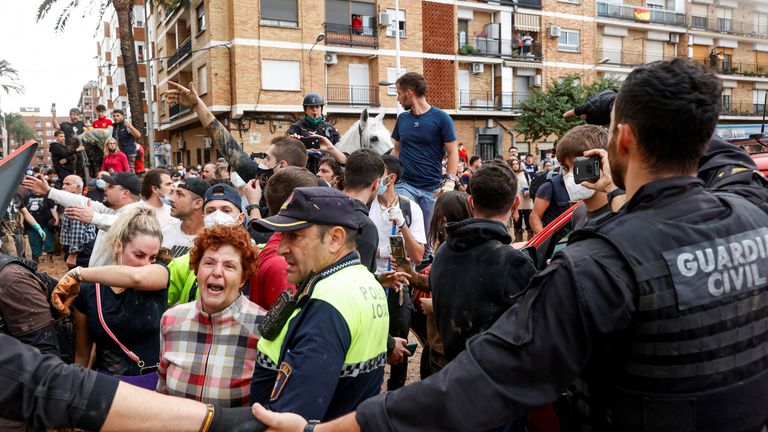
(643, 15)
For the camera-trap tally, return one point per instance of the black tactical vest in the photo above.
(696, 354)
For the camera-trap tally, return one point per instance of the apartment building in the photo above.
(89, 98)
(43, 127)
(112, 90)
(253, 60)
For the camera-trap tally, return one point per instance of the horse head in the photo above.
(368, 132)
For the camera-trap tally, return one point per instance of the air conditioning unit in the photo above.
(331, 58)
(207, 143)
(554, 31)
(534, 81)
(477, 68)
(384, 19)
(674, 37)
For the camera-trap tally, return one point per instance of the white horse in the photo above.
(366, 133)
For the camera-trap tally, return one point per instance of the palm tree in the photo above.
(9, 78)
(124, 10)
(15, 125)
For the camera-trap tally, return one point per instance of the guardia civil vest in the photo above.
(696, 352)
(353, 291)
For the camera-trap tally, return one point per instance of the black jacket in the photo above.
(367, 237)
(475, 277)
(571, 319)
(59, 152)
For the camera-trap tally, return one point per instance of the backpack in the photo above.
(538, 179)
(64, 328)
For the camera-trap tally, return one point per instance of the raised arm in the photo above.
(152, 277)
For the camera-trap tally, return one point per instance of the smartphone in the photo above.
(411, 347)
(53, 106)
(397, 249)
(311, 142)
(586, 169)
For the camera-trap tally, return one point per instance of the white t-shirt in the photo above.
(175, 239)
(163, 215)
(380, 218)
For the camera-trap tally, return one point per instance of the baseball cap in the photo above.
(311, 206)
(127, 180)
(223, 191)
(195, 185)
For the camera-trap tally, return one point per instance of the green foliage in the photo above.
(16, 126)
(542, 113)
(9, 78)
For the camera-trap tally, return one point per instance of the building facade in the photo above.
(89, 98)
(43, 127)
(253, 60)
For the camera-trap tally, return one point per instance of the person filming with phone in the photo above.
(315, 132)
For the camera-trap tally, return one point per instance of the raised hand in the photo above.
(177, 93)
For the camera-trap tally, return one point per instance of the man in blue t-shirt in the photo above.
(422, 135)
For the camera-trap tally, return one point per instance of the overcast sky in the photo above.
(53, 67)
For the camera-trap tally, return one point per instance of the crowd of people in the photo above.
(244, 293)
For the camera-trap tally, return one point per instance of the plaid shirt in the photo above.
(75, 233)
(209, 358)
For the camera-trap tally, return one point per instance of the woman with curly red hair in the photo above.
(207, 347)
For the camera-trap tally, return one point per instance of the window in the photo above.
(568, 40)
(47, 124)
(397, 21)
(201, 17)
(281, 13)
(724, 16)
(758, 100)
(142, 91)
(761, 23)
(140, 52)
(654, 51)
(280, 75)
(463, 32)
(660, 4)
(727, 93)
(39, 133)
(202, 78)
(139, 24)
(38, 124)
(49, 133)
(124, 106)
(570, 1)
(392, 76)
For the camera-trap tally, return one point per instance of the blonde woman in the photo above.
(114, 160)
(122, 322)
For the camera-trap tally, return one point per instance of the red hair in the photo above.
(220, 235)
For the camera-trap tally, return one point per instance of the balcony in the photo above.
(364, 96)
(726, 67)
(728, 26)
(184, 50)
(632, 58)
(746, 109)
(490, 101)
(342, 34)
(527, 4)
(485, 46)
(177, 110)
(640, 14)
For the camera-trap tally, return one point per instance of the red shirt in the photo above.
(463, 154)
(102, 123)
(138, 164)
(271, 278)
(117, 162)
(357, 23)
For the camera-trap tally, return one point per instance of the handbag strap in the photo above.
(131, 355)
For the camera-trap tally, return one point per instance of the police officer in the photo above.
(313, 123)
(661, 309)
(329, 349)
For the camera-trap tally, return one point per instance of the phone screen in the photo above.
(397, 248)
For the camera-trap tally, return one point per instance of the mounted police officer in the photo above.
(660, 309)
(314, 123)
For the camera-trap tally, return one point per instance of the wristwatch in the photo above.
(310, 426)
(452, 177)
(250, 208)
(614, 193)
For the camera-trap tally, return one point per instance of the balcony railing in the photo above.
(184, 49)
(528, 4)
(343, 34)
(742, 109)
(632, 58)
(640, 14)
(485, 46)
(491, 101)
(339, 94)
(176, 110)
(724, 25)
(726, 67)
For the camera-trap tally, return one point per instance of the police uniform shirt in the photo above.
(302, 127)
(565, 326)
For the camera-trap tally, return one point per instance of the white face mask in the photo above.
(218, 218)
(576, 192)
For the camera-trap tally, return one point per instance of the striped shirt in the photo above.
(209, 357)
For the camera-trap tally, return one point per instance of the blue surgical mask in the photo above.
(101, 184)
(166, 199)
(382, 186)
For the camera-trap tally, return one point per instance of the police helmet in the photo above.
(313, 99)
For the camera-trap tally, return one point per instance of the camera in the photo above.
(586, 169)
